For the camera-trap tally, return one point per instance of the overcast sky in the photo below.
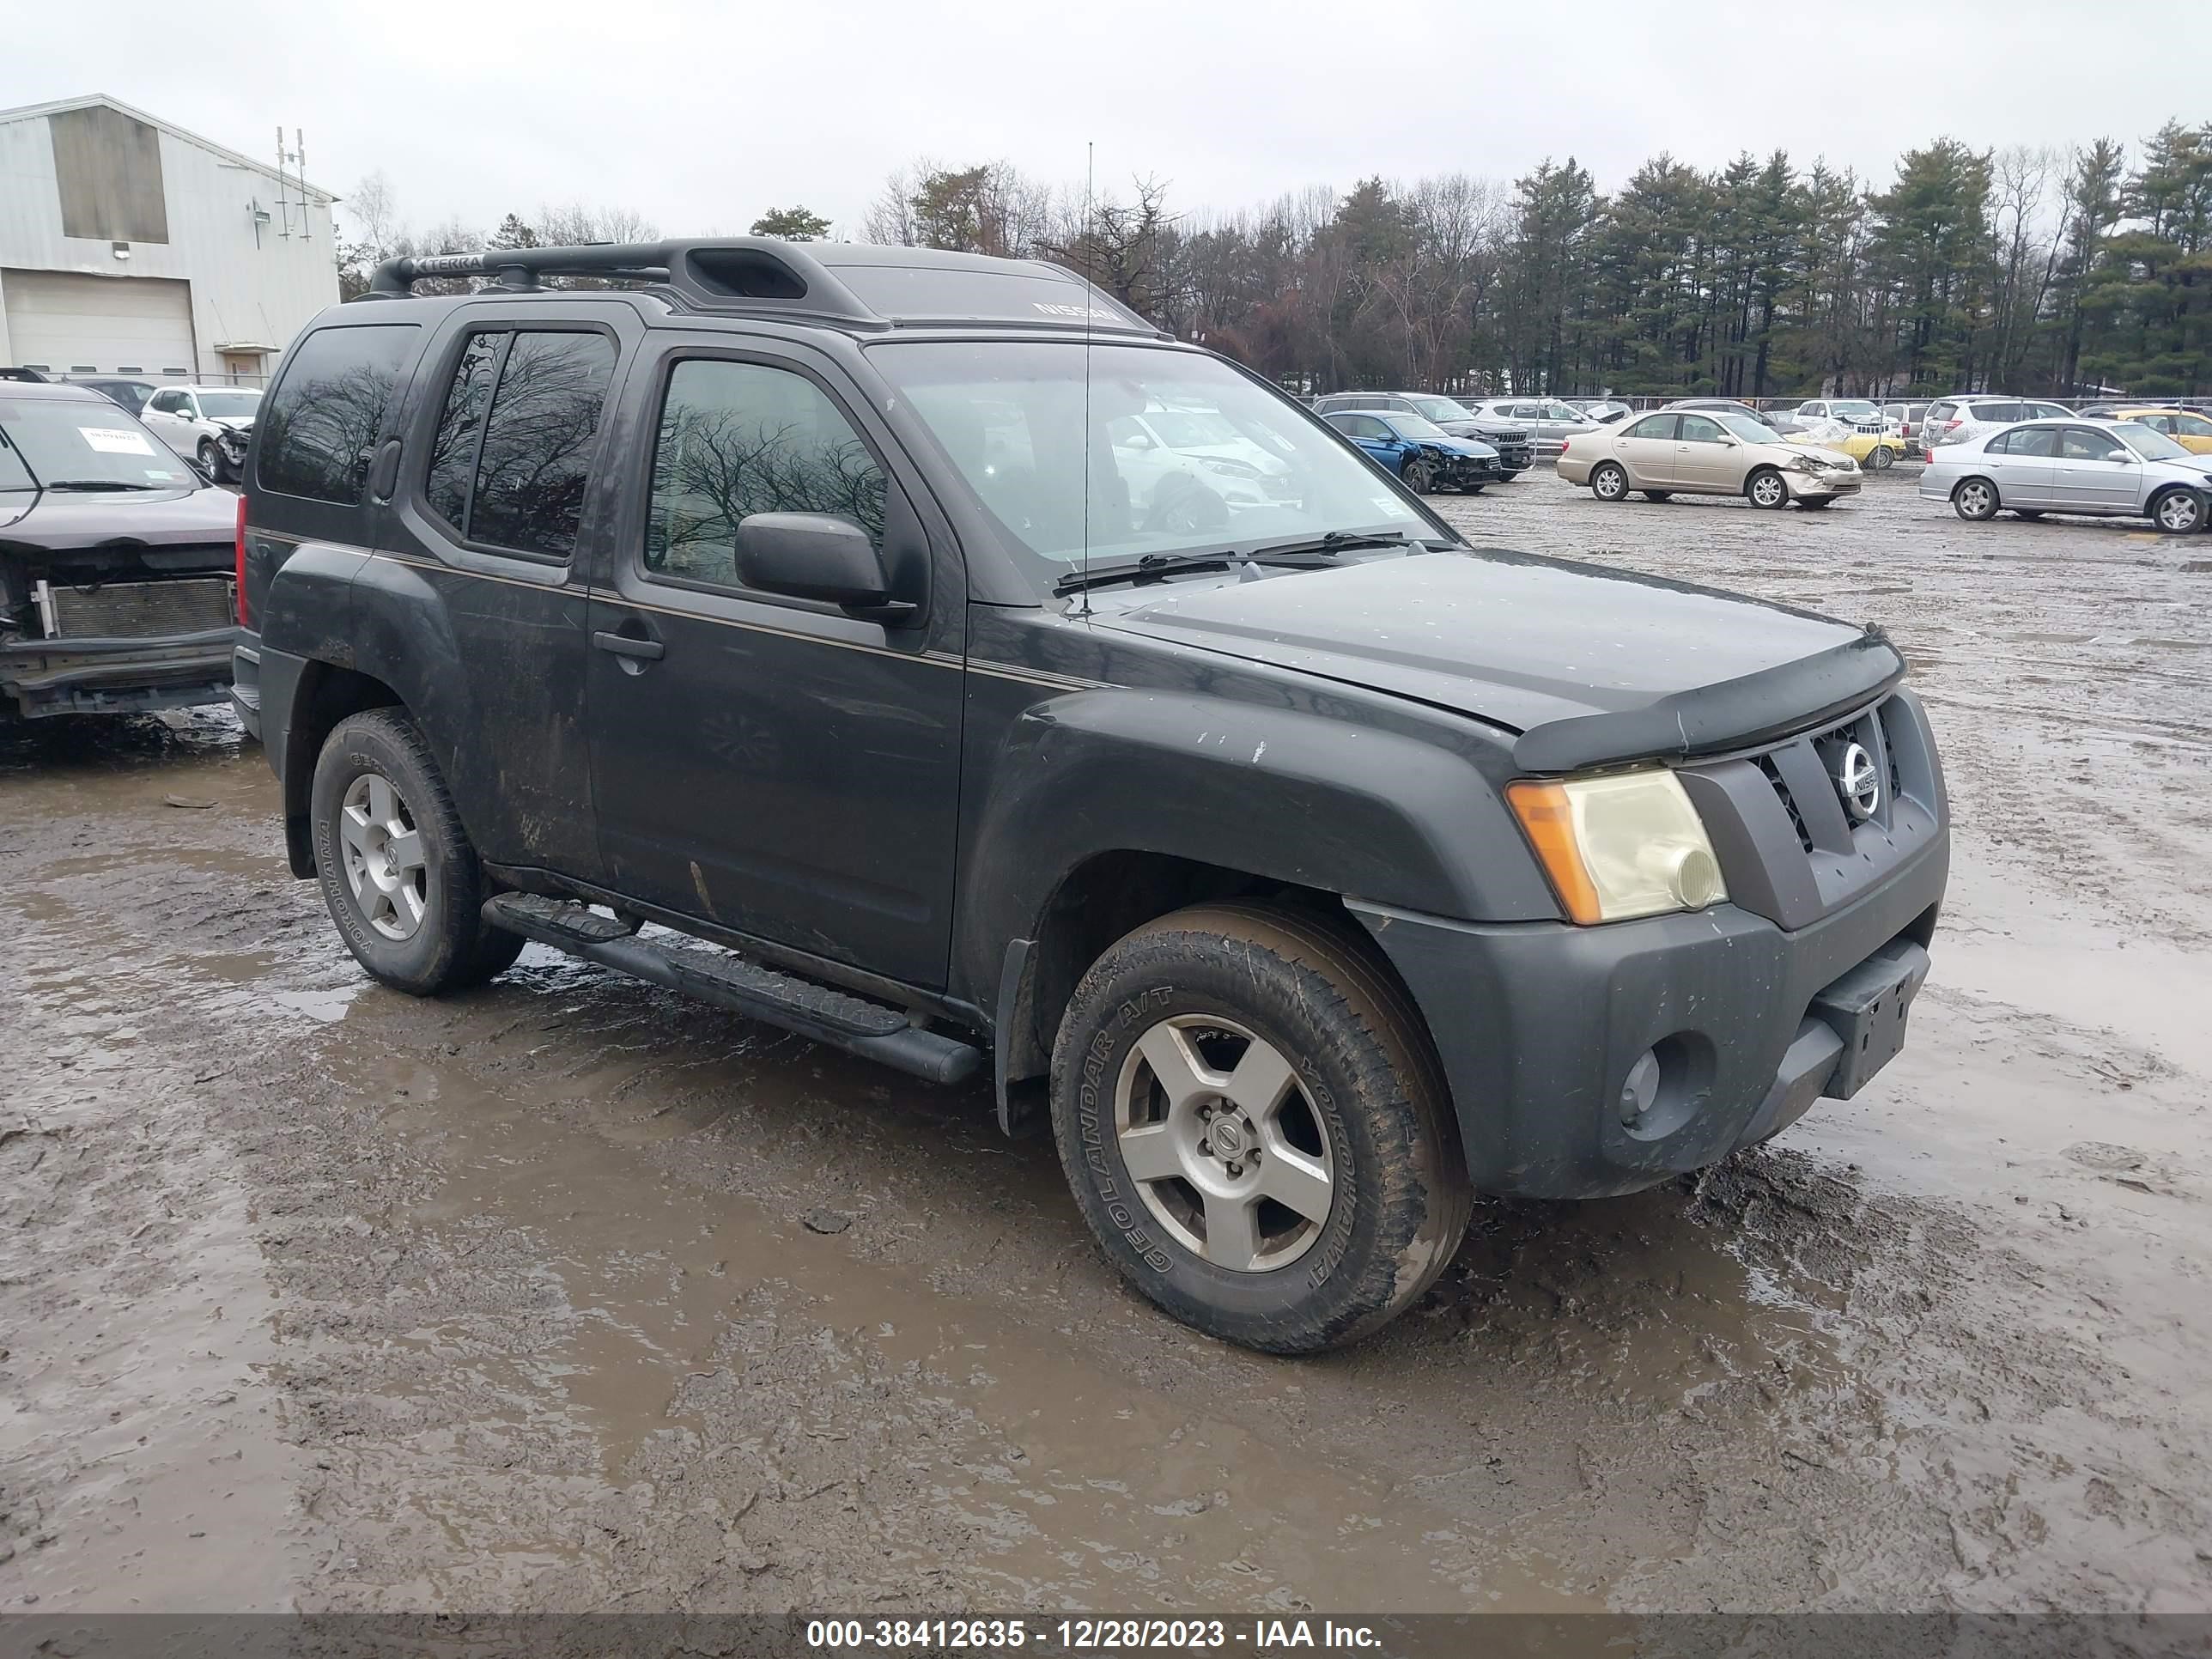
(699, 115)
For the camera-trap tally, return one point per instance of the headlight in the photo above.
(1231, 469)
(1626, 845)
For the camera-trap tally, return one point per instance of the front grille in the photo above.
(1505, 437)
(1789, 802)
(137, 610)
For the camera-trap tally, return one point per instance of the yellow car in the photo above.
(1875, 452)
(2192, 432)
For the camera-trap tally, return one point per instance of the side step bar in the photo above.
(817, 1013)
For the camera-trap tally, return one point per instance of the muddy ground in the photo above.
(566, 1294)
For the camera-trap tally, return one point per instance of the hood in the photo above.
(68, 521)
(1480, 451)
(1584, 664)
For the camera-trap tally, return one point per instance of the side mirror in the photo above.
(2119, 455)
(1137, 441)
(815, 555)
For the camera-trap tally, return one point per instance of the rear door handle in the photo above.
(626, 645)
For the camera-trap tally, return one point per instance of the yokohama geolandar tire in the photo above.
(397, 872)
(1255, 1125)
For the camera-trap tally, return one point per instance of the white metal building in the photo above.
(129, 247)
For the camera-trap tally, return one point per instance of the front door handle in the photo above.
(628, 645)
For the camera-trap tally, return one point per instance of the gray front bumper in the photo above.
(1539, 1023)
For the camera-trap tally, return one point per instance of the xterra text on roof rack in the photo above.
(820, 605)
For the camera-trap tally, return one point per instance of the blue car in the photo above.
(1423, 454)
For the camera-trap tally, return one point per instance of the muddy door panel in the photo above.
(761, 760)
(495, 514)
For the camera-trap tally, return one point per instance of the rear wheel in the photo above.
(1975, 500)
(1767, 488)
(397, 872)
(1256, 1127)
(1882, 459)
(2178, 512)
(1610, 482)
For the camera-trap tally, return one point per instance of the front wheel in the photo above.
(1256, 1127)
(211, 461)
(1610, 482)
(397, 872)
(1767, 488)
(1975, 500)
(2179, 513)
(1419, 474)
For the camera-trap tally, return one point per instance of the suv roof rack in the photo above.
(847, 285)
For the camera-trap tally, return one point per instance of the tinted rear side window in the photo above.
(319, 428)
(512, 458)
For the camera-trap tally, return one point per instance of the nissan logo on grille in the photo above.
(1858, 783)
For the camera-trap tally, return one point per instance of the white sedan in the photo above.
(2111, 468)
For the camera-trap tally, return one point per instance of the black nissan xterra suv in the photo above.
(1313, 870)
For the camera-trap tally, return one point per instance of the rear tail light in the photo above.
(1565, 444)
(1928, 456)
(244, 618)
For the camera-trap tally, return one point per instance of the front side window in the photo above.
(169, 403)
(318, 433)
(512, 458)
(1366, 426)
(2080, 443)
(1698, 430)
(737, 439)
(1024, 424)
(2151, 446)
(2192, 426)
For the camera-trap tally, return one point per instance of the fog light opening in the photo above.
(1639, 1091)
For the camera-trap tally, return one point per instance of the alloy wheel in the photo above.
(1226, 1151)
(385, 868)
(2179, 514)
(1768, 489)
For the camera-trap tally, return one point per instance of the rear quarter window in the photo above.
(319, 428)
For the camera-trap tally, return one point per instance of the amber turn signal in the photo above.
(1548, 817)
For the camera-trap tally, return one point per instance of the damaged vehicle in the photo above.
(211, 423)
(117, 562)
(1306, 871)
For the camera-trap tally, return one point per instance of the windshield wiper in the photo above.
(1150, 568)
(97, 484)
(1339, 541)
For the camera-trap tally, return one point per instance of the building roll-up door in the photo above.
(69, 323)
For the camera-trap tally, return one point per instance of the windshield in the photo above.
(230, 405)
(1412, 426)
(1751, 431)
(2151, 446)
(1439, 409)
(1855, 410)
(54, 441)
(1011, 417)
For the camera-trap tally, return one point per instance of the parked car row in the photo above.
(209, 424)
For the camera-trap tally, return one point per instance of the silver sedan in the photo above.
(2104, 468)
